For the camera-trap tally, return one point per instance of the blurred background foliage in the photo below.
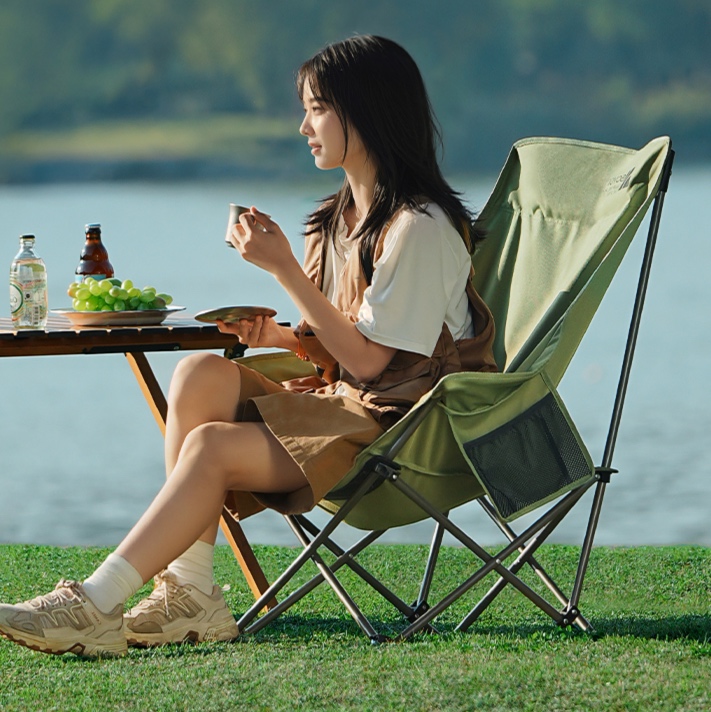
(186, 88)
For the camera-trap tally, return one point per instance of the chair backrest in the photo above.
(562, 212)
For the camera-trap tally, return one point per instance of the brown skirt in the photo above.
(322, 433)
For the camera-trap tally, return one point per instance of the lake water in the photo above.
(82, 457)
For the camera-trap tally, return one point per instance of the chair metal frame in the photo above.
(420, 615)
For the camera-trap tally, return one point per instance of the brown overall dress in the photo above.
(324, 421)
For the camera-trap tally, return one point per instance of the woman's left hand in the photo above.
(260, 332)
(262, 242)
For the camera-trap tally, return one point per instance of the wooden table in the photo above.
(180, 332)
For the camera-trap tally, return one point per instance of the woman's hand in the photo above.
(260, 332)
(262, 242)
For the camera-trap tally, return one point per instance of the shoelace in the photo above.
(58, 596)
(161, 591)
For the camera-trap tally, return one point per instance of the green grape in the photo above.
(115, 295)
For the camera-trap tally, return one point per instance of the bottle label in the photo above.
(28, 295)
(16, 300)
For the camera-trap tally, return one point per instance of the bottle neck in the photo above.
(27, 247)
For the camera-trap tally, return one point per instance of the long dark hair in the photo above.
(375, 88)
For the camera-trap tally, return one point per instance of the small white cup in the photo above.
(235, 212)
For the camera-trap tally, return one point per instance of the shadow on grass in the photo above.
(690, 626)
(696, 627)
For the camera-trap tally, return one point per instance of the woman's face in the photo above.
(327, 140)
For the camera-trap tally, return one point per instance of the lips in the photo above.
(314, 147)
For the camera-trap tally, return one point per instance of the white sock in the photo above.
(114, 582)
(195, 567)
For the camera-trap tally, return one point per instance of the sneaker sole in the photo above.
(82, 649)
(221, 632)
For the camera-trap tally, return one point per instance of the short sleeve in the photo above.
(418, 279)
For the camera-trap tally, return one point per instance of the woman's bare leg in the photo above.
(214, 458)
(205, 388)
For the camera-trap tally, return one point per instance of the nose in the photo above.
(305, 128)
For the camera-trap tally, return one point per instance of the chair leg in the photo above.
(526, 557)
(343, 595)
(529, 559)
(491, 563)
(348, 557)
(435, 546)
(308, 552)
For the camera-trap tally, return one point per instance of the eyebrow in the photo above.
(317, 99)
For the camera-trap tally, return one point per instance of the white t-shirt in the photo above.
(418, 282)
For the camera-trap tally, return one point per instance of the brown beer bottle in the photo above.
(94, 257)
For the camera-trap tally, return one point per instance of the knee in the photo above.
(200, 371)
(202, 445)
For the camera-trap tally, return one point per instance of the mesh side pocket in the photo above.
(531, 459)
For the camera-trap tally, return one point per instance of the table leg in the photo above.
(149, 386)
(231, 528)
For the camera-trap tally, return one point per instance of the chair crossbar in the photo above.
(328, 574)
(309, 586)
(526, 557)
(308, 552)
(540, 539)
(491, 563)
(347, 557)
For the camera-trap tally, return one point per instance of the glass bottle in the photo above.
(28, 287)
(94, 257)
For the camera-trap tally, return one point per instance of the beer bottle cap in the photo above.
(27, 236)
(91, 227)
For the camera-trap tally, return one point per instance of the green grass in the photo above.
(651, 649)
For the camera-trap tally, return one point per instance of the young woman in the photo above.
(387, 310)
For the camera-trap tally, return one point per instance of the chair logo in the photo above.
(619, 182)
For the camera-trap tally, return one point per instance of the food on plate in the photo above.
(115, 295)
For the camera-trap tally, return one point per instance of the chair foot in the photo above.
(379, 639)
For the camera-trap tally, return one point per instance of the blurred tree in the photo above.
(496, 69)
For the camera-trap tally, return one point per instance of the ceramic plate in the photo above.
(228, 314)
(147, 317)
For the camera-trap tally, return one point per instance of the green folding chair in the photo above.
(559, 221)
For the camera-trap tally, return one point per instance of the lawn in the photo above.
(650, 650)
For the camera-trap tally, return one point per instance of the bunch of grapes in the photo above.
(114, 295)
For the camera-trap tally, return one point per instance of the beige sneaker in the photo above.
(175, 613)
(65, 621)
